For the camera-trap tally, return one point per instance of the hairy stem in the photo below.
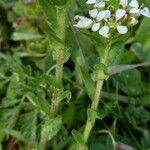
(59, 75)
(59, 65)
(99, 84)
(94, 106)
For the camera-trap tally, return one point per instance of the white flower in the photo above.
(122, 29)
(120, 13)
(93, 13)
(135, 7)
(104, 31)
(83, 22)
(135, 11)
(145, 12)
(134, 4)
(124, 3)
(91, 2)
(103, 15)
(100, 5)
(95, 27)
(133, 21)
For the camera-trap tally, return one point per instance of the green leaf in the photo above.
(50, 12)
(28, 127)
(10, 115)
(98, 146)
(138, 50)
(129, 82)
(52, 127)
(14, 133)
(88, 82)
(92, 115)
(78, 137)
(14, 86)
(139, 114)
(115, 54)
(8, 102)
(64, 95)
(21, 36)
(39, 101)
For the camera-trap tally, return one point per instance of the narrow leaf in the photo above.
(120, 68)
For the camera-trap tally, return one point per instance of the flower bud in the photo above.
(132, 21)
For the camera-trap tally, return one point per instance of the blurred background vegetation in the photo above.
(27, 60)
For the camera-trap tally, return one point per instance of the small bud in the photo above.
(132, 21)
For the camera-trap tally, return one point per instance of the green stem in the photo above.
(94, 106)
(54, 106)
(43, 141)
(59, 75)
(99, 84)
(59, 65)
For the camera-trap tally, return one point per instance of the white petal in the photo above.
(124, 3)
(108, 15)
(101, 15)
(122, 29)
(95, 27)
(100, 5)
(104, 31)
(93, 13)
(134, 3)
(91, 2)
(135, 11)
(105, 14)
(120, 13)
(84, 23)
(145, 12)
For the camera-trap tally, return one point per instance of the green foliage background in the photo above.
(30, 34)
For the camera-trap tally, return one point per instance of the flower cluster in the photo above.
(105, 19)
